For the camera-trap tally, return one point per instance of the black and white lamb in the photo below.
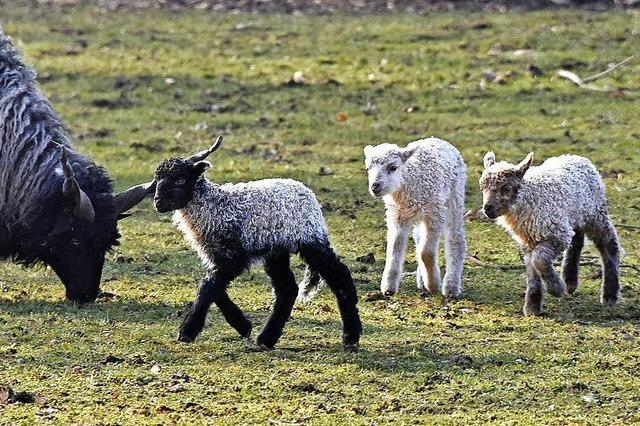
(548, 210)
(231, 226)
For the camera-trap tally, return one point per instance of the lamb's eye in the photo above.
(180, 181)
(392, 168)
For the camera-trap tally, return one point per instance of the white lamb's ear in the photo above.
(489, 159)
(524, 165)
(407, 152)
(202, 166)
(367, 150)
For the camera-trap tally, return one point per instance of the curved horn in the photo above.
(132, 196)
(82, 206)
(205, 153)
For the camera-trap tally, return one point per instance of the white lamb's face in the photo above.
(383, 163)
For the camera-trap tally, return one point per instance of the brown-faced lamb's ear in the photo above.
(132, 196)
(206, 152)
(82, 207)
(489, 159)
(524, 165)
(201, 167)
(407, 152)
(367, 150)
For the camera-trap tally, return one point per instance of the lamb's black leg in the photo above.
(321, 258)
(605, 239)
(213, 289)
(571, 261)
(286, 291)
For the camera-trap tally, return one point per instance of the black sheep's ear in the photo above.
(201, 167)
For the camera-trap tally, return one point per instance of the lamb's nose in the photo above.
(488, 210)
(375, 187)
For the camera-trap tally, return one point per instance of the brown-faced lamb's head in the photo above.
(176, 179)
(500, 183)
(384, 165)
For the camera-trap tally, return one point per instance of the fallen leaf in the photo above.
(341, 117)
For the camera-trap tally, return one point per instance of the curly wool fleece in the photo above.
(427, 177)
(423, 187)
(562, 194)
(260, 216)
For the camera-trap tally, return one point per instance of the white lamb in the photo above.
(423, 190)
(548, 210)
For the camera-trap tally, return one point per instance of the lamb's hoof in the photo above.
(609, 300)
(388, 293)
(267, 342)
(557, 292)
(532, 311)
(185, 338)
(261, 347)
(350, 347)
(246, 331)
(451, 292)
(572, 287)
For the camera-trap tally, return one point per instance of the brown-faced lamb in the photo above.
(548, 210)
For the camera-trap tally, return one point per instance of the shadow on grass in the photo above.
(583, 307)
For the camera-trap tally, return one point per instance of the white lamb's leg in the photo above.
(428, 254)
(418, 236)
(455, 247)
(397, 236)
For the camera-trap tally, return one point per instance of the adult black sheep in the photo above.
(56, 206)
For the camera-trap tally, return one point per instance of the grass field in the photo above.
(137, 87)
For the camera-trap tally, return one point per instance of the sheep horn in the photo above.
(82, 204)
(205, 153)
(132, 196)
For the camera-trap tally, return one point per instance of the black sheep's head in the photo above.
(176, 179)
(85, 228)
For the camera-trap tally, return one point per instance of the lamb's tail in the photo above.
(310, 285)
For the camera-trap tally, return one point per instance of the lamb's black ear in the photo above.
(201, 167)
(407, 152)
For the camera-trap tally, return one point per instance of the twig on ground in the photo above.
(634, 227)
(583, 83)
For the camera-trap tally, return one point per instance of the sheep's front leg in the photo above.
(213, 289)
(397, 236)
(533, 294)
(286, 291)
(427, 255)
(542, 258)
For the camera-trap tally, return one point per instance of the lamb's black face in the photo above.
(175, 180)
